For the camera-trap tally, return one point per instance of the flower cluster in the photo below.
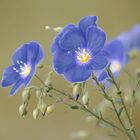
(79, 52)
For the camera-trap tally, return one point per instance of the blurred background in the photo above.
(25, 20)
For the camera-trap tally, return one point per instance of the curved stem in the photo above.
(113, 104)
(86, 109)
(123, 103)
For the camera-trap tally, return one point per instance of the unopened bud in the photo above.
(26, 95)
(85, 99)
(48, 81)
(22, 110)
(43, 108)
(77, 89)
(35, 113)
(56, 29)
(50, 109)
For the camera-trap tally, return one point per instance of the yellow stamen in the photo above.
(27, 71)
(84, 57)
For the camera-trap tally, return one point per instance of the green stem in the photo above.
(113, 104)
(83, 107)
(123, 103)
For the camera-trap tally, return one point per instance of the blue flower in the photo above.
(24, 61)
(116, 54)
(77, 50)
(131, 40)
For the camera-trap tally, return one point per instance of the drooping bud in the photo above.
(35, 113)
(50, 109)
(26, 95)
(48, 81)
(77, 89)
(43, 108)
(85, 99)
(22, 110)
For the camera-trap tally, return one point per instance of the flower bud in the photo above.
(26, 95)
(77, 89)
(48, 81)
(56, 29)
(43, 108)
(35, 113)
(22, 110)
(50, 109)
(85, 99)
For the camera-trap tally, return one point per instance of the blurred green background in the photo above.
(25, 20)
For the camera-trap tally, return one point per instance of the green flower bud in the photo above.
(26, 95)
(35, 113)
(43, 108)
(22, 110)
(48, 81)
(85, 99)
(77, 89)
(56, 29)
(50, 109)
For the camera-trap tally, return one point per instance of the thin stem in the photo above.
(113, 104)
(123, 103)
(83, 107)
(87, 110)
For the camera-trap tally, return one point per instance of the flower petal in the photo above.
(30, 76)
(16, 87)
(99, 61)
(62, 60)
(103, 75)
(86, 22)
(77, 74)
(72, 40)
(95, 39)
(10, 76)
(34, 52)
(115, 50)
(55, 45)
(20, 54)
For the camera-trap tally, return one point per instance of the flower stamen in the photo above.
(83, 56)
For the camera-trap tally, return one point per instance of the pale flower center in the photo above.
(115, 66)
(83, 56)
(24, 69)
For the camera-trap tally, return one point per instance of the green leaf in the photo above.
(74, 107)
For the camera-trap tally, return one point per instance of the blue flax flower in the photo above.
(77, 50)
(131, 40)
(23, 68)
(116, 54)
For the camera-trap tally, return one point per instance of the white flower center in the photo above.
(115, 66)
(24, 69)
(83, 56)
